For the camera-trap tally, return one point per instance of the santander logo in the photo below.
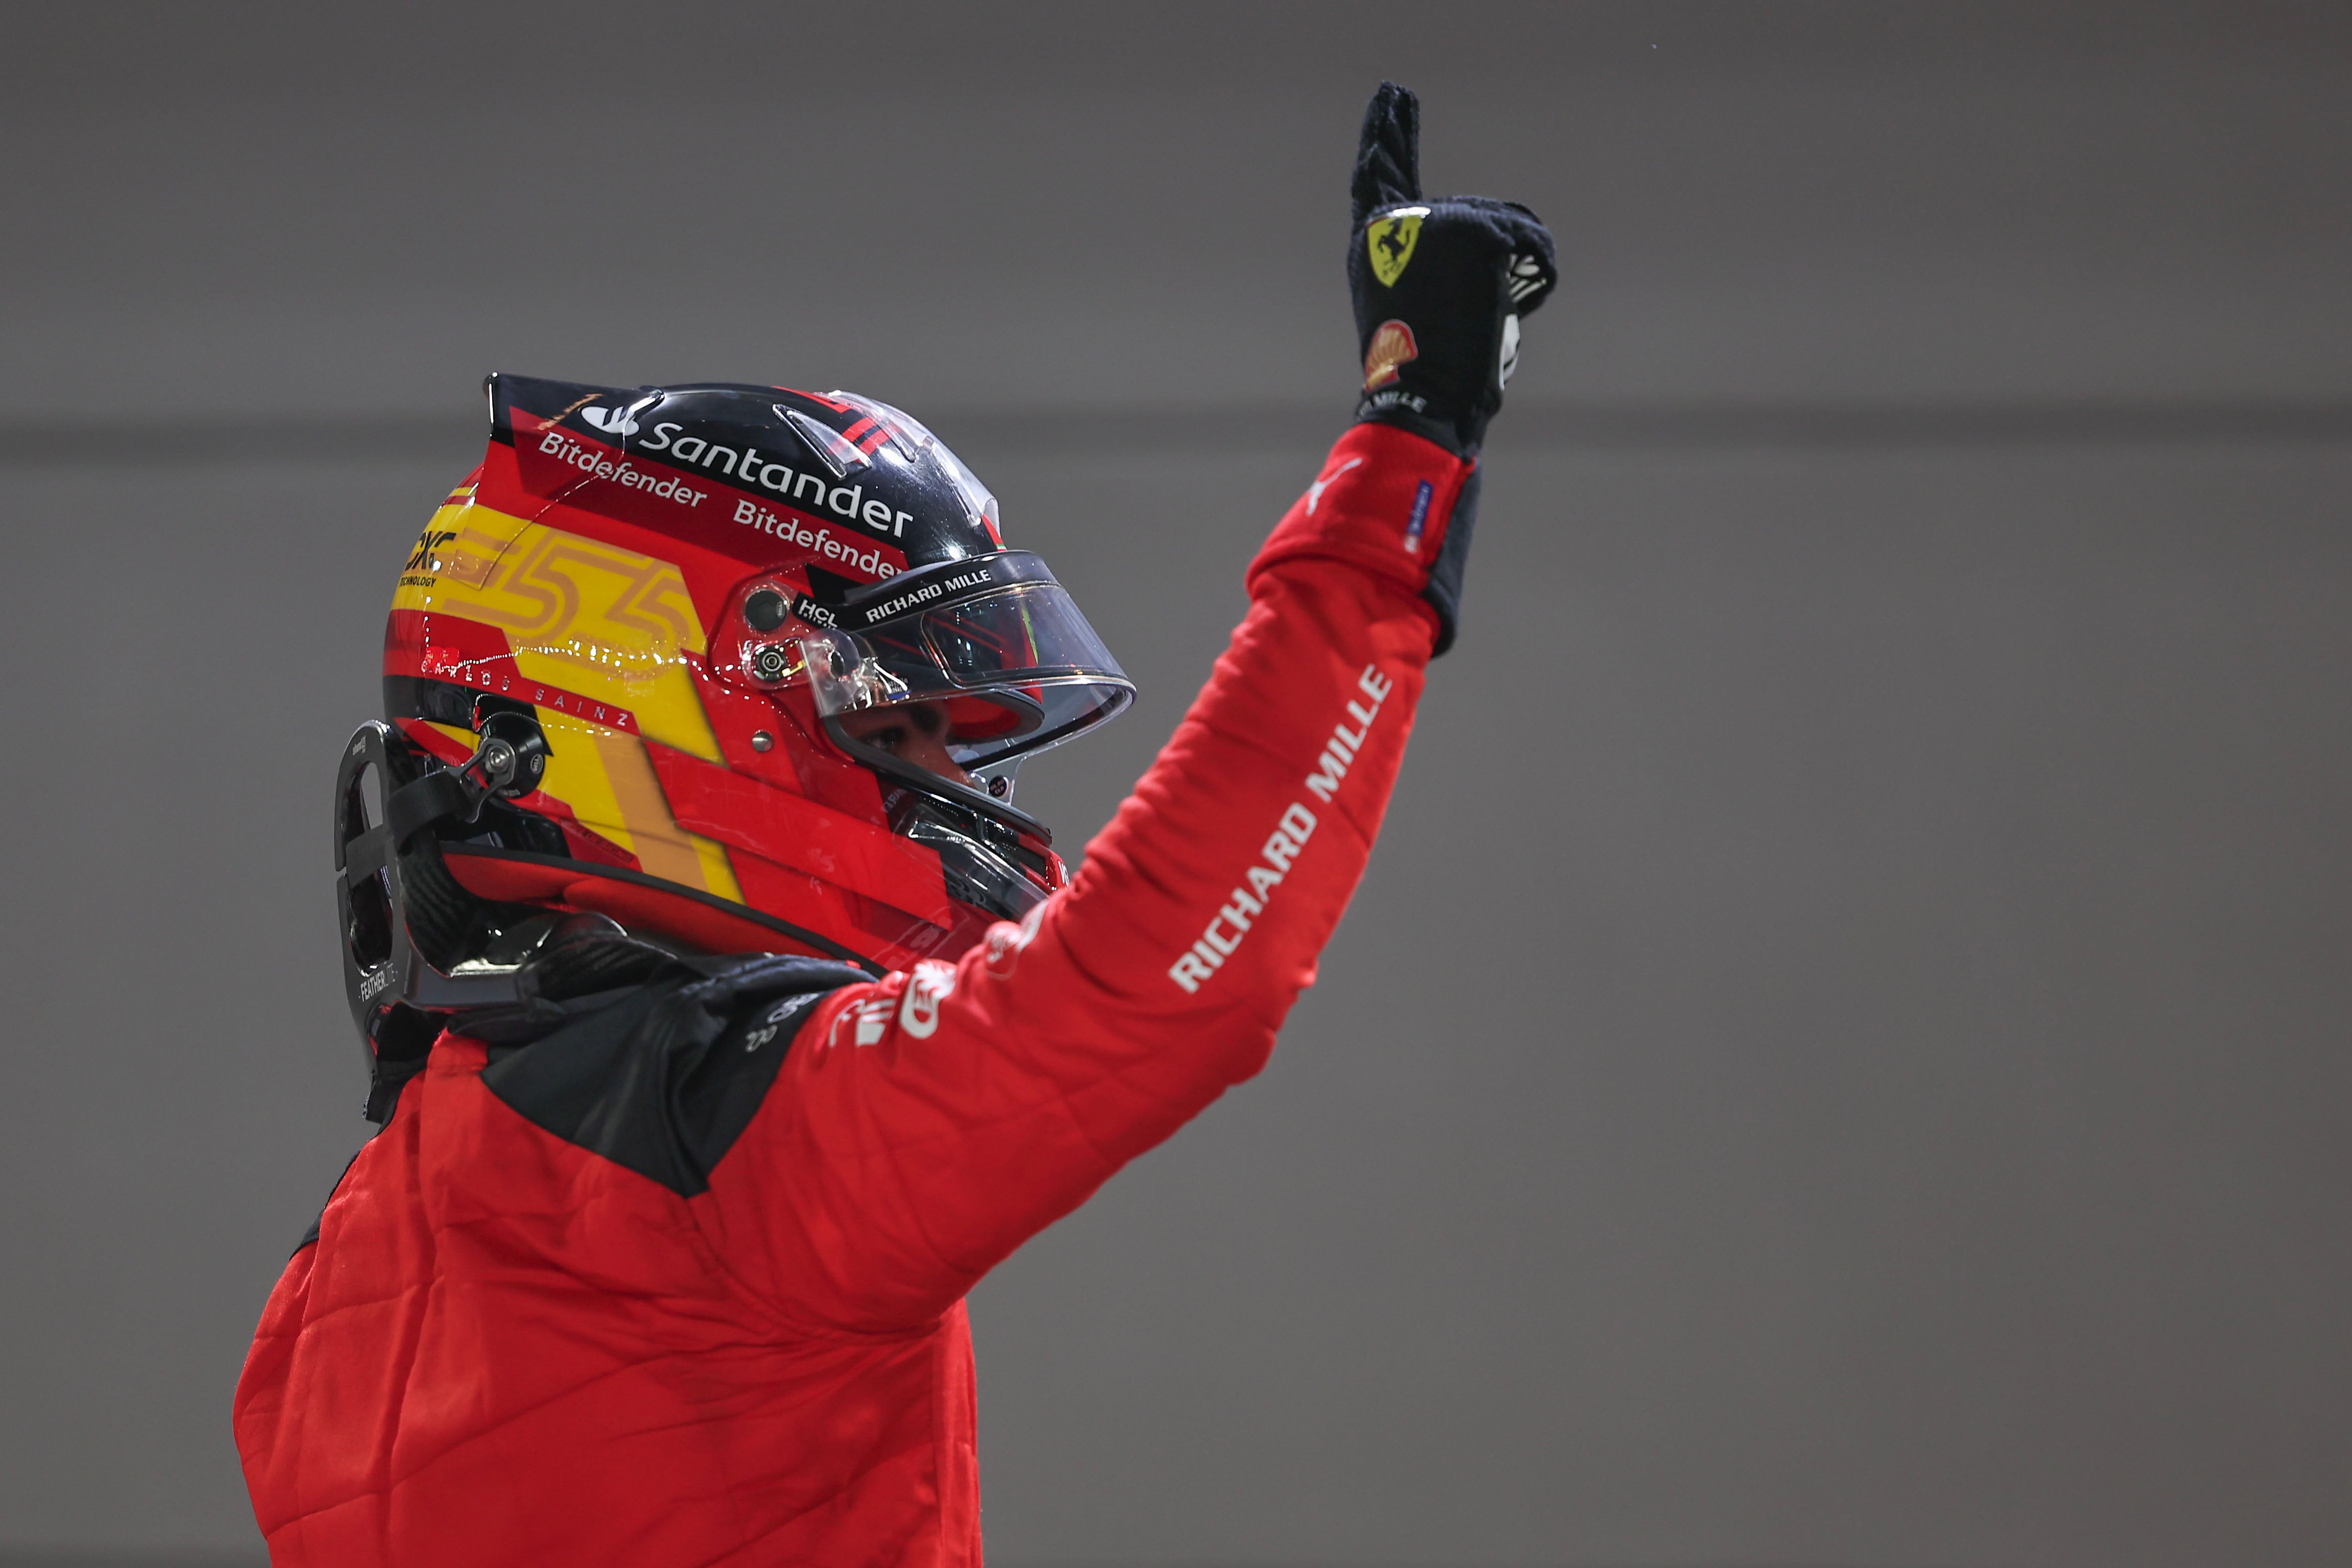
(613, 422)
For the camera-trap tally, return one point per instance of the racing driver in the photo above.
(725, 1019)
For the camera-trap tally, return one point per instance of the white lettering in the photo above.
(822, 540)
(564, 448)
(1006, 941)
(1243, 911)
(1189, 971)
(1279, 851)
(1340, 750)
(1325, 780)
(927, 987)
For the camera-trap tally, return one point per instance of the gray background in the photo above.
(1841, 1056)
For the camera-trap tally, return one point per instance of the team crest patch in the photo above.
(1392, 347)
(1391, 240)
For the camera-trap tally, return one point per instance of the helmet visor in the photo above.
(1016, 666)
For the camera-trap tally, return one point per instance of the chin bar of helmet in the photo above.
(986, 801)
(846, 681)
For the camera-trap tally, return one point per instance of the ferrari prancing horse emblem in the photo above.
(1391, 240)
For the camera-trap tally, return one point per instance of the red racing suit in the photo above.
(504, 1348)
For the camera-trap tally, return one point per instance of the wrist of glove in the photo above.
(1439, 285)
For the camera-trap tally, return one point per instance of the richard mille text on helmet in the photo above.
(725, 1019)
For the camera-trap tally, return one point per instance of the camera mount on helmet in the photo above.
(398, 995)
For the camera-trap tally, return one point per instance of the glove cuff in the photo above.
(1394, 501)
(1460, 438)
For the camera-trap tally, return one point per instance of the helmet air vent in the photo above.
(832, 449)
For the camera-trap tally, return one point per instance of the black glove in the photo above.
(1439, 286)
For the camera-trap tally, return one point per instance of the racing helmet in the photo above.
(623, 678)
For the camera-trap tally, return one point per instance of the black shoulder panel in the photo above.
(665, 1080)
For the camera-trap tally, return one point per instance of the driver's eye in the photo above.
(888, 739)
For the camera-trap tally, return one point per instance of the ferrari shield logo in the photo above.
(1391, 240)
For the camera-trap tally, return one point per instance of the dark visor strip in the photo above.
(932, 587)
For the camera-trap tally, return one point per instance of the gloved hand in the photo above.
(1440, 287)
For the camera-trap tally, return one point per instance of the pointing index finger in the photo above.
(1388, 159)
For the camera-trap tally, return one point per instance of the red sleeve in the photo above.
(925, 1126)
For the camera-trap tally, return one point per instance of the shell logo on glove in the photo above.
(1392, 347)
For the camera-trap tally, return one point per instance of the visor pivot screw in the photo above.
(769, 662)
(765, 610)
(761, 740)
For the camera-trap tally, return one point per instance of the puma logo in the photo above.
(1314, 490)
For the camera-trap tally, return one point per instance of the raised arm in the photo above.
(923, 1126)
